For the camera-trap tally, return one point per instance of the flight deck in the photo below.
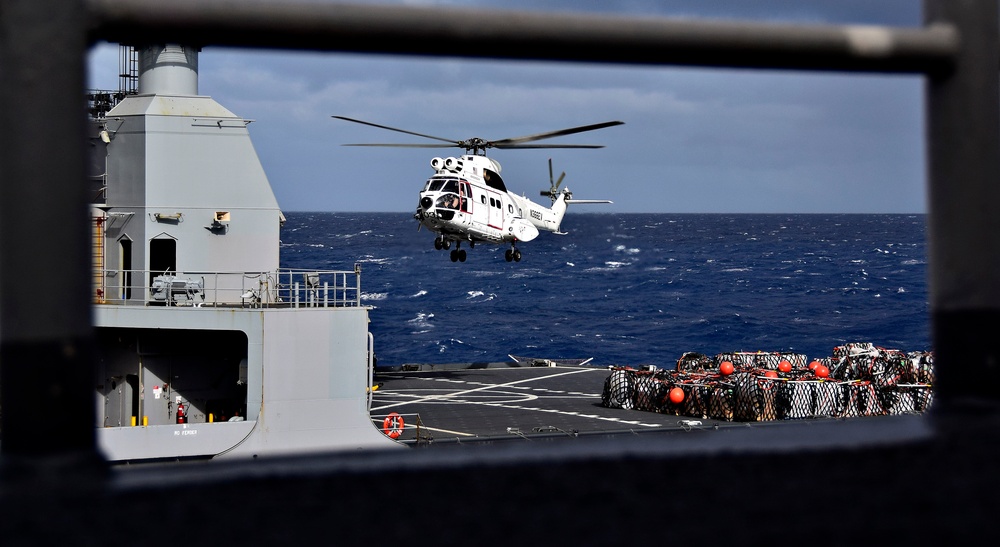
(509, 401)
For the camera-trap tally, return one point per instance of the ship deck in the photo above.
(508, 401)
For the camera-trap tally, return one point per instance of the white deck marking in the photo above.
(439, 430)
(451, 398)
(483, 388)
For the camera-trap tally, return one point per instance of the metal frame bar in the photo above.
(46, 341)
(458, 32)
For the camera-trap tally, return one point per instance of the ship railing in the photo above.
(282, 288)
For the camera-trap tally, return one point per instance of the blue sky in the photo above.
(694, 140)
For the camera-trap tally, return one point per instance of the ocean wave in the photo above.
(626, 250)
(369, 259)
(446, 345)
(419, 293)
(374, 295)
(421, 321)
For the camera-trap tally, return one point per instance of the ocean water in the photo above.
(632, 289)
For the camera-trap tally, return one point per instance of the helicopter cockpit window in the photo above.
(441, 185)
(447, 201)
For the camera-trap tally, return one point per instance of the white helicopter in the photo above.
(466, 200)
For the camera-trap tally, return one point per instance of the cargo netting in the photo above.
(859, 379)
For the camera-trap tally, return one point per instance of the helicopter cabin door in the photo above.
(496, 209)
(466, 201)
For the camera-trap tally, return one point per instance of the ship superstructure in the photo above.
(206, 346)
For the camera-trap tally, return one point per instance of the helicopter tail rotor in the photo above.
(553, 190)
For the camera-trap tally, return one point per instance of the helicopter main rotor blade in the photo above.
(452, 141)
(540, 146)
(502, 143)
(401, 145)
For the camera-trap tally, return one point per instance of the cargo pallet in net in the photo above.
(863, 380)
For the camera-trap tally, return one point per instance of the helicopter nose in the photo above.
(426, 202)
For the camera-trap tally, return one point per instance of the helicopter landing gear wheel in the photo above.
(458, 255)
(461, 255)
(508, 255)
(517, 255)
(454, 256)
(437, 245)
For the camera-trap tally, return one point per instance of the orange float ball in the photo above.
(726, 368)
(822, 371)
(814, 365)
(785, 366)
(771, 374)
(676, 395)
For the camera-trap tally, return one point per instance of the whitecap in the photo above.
(421, 292)
(372, 260)
(422, 321)
(374, 295)
(626, 250)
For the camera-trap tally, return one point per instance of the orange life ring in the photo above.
(392, 426)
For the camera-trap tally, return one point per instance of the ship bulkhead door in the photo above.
(162, 257)
(122, 400)
(114, 401)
